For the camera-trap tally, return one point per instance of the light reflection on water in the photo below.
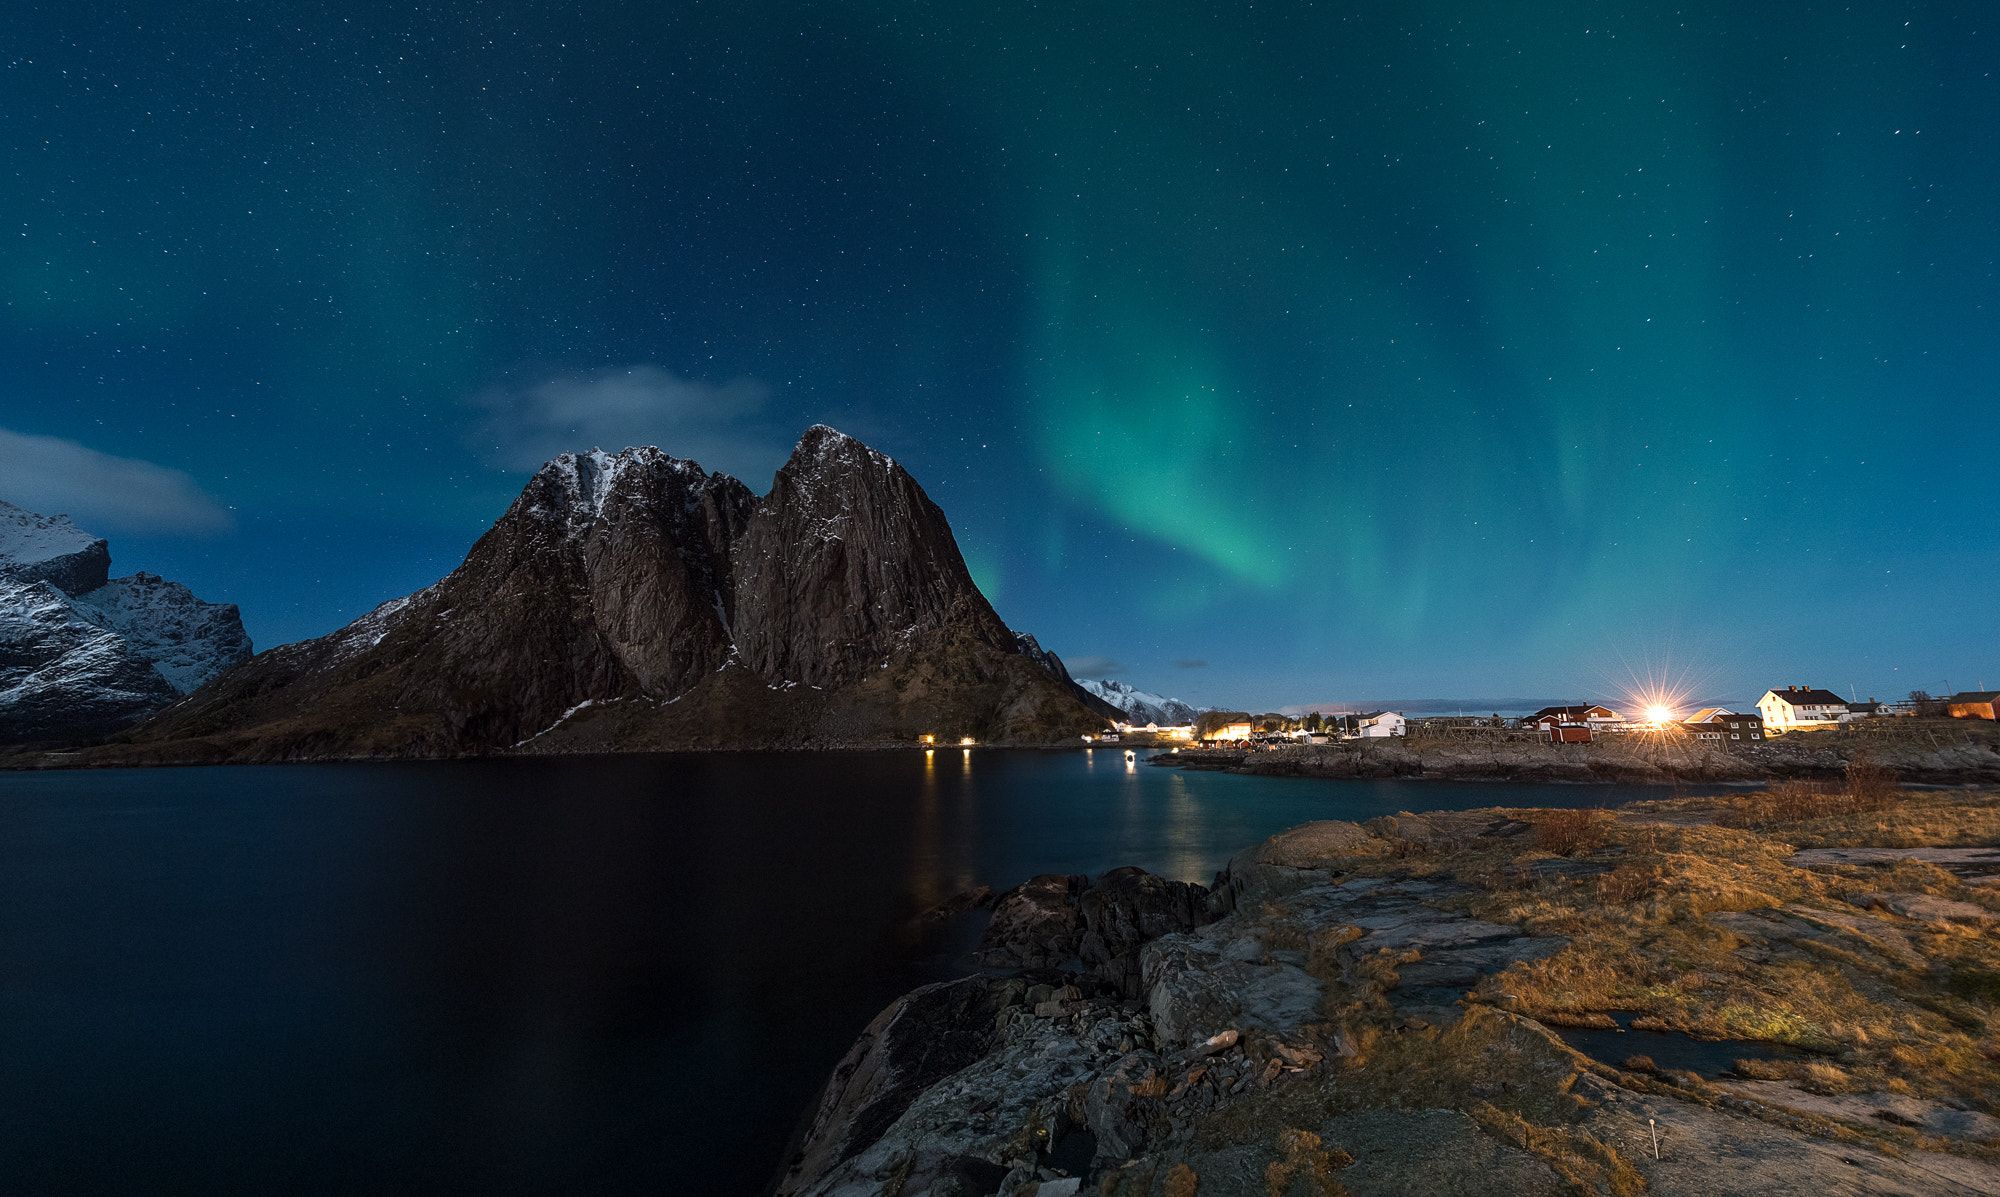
(1186, 829)
(1015, 814)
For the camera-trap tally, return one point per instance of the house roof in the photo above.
(1575, 712)
(1975, 696)
(1708, 715)
(1809, 697)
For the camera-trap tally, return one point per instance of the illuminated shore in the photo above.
(1923, 752)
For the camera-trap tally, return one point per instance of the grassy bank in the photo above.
(1929, 751)
(1693, 915)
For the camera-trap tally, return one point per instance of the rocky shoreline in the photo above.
(1337, 1013)
(1932, 752)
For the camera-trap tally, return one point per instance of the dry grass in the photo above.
(1643, 940)
(1561, 832)
(1933, 820)
(1578, 1157)
(1869, 787)
(1302, 1159)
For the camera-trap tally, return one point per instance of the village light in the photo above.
(967, 741)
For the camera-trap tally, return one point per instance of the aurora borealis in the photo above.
(1412, 349)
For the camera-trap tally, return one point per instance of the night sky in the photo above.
(1260, 354)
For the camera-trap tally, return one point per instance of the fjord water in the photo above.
(588, 975)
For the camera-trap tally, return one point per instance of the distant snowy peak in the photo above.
(50, 548)
(1142, 706)
(82, 653)
(64, 674)
(187, 640)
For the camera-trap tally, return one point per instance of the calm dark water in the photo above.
(1671, 1049)
(606, 976)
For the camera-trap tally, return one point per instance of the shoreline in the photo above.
(1955, 755)
(1948, 753)
(1387, 1002)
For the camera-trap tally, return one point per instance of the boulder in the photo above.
(1202, 984)
(1128, 908)
(921, 1038)
(1926, 908)
(1037, 924)
(1296, 859)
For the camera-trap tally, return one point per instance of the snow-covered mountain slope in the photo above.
(62, 674)
(1141, 706)
(187, 640)
(42, 546)
(83, 654)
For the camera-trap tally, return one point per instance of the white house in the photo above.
(1383, 723)
(1796, 707)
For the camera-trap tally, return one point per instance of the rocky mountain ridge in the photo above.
(634, 601)
(83, 654)
(1139, 706)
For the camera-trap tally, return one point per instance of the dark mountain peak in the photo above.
(824, 443)
(827, 467)
(846, 560)
(579, 489)
(679, 609)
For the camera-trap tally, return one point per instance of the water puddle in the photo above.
(1673, 1049)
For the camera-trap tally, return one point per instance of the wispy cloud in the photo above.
(1191, 664)
(1087, 667)
(523, 425)
(102, 493)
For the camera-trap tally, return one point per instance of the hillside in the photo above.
(631, 601)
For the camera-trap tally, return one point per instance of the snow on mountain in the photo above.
(82, 654)
(39, 546)
(187, 640)
(1142, 706)
(62, 673)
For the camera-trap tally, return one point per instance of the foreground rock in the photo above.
(1053, 920)
(922, 1038)
(1362, 1009)
(83, 654)
(631, 601)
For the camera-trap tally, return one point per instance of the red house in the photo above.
(1562, 729)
